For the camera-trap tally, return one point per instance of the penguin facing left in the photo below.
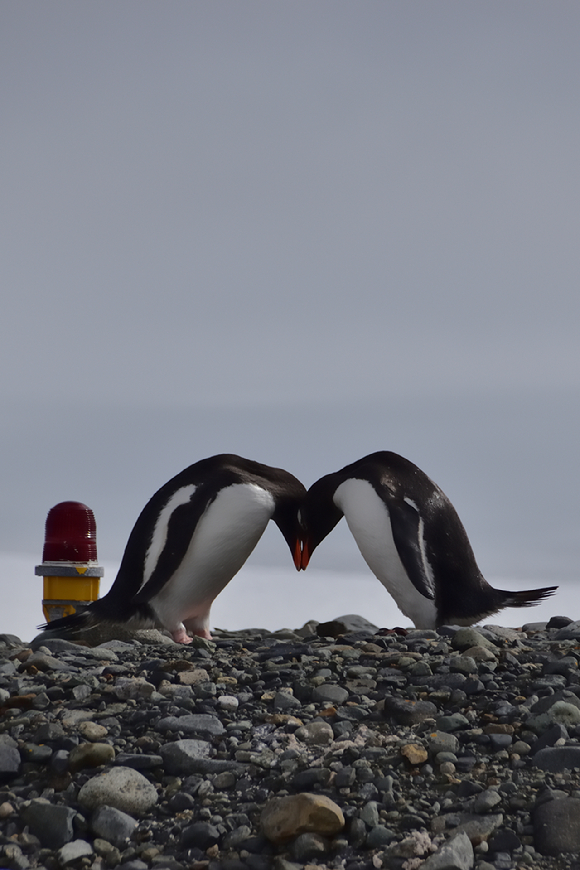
(191, 538)
(411, 538)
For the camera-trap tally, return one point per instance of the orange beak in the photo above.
(305, 555)
(298, 554)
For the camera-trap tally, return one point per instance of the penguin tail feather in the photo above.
(73, 625)
(528, 597)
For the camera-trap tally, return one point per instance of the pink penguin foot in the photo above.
(202, 632)
(180, 635)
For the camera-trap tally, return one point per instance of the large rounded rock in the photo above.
(556, 759)
(123, 788)
(287, 817)
(557, 826)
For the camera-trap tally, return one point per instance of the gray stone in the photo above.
(9, 759)
(225, 780)
(560, 713)
(569, 632)
(500, 741)
(311, 779)
(557, 826)
(504, 841)
(139, 760)
(463, 664)
(215, 765)
(478, 828)
(88, 755)
(201, 835)
(285, 701)
(59, 761)
(315, 733)
(308, 846)
(406, 712)
(51, 823)
(133, 687)
(236, 838)
(453, 722)
(10, 640)
(123, 788)
(441, 741)
(13, 858)
(465, 638)
(113, 825)
(349, 623)
(455, 854)
(370, 814)
(379, 837)
(555, 759)
(178, 756)
(345, 777)
(284, 818)
(74, 851)
(486, 801)
(329, 693)
(550, 737)
(193, 723)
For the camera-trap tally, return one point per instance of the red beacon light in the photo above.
(70, 570)
(70, 534)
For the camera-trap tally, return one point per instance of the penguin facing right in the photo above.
(191, 538)
(411, 538)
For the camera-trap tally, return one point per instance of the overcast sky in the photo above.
(299, 231)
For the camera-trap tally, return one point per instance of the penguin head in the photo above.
(318, 516)
(287, 518)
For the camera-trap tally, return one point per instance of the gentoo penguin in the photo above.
(191, 538)
(411, 538)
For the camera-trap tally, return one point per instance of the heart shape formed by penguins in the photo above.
(196, 532)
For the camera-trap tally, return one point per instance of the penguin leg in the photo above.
(180, 635)
(198, 625)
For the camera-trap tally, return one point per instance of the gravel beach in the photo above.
(334, 745)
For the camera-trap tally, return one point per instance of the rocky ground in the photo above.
(329, 747)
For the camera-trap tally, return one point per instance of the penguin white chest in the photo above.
(224, 537)
(368, 519)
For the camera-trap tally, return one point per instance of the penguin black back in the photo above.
(425, 559)
(190, 539)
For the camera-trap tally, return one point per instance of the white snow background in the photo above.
(275, 598)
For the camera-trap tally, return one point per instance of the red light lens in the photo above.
(70, 534)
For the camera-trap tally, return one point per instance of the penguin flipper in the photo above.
(182, 522)
(407, 528)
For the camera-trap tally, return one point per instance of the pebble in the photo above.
(284, 818)
(72, 852)
(112, 825)
(90, 755)
(121, 787)
(457, 854)
(330, 746)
